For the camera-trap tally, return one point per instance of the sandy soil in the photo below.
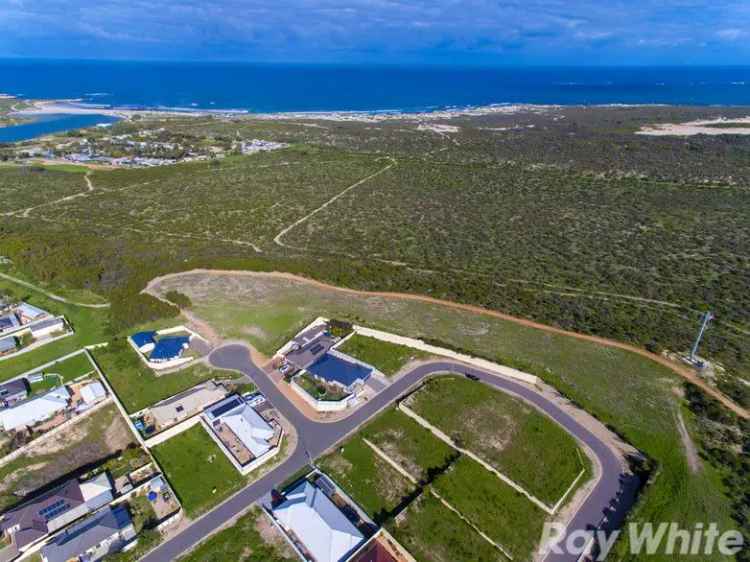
(700, 127)
(691, 452)
(681, 370)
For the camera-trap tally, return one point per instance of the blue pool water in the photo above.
(332, 368)
(47, 124)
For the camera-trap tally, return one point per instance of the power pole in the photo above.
(707, 317)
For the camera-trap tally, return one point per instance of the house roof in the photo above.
(322, 528)
(35, 518)
(250, 428)
(337, 369)
(169, 348)
(12, 388)
(143, 338)
(46, 324)
(30, 310)
(93, 392)
(35, 409)
(8, 344)
(192, 400)
(8, 322)
(374, 552)
(77, 539)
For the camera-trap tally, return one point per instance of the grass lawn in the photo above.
(243, 542)
(137, 386)
(630, 393)
(516, 439)
(72, 367)
(433, 533)
(412, 446)
(386, 357)
(197, 470)
(319, 390)
(375, 485)
(503, 514)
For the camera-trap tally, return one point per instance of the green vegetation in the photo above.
(319, 390)
(500, 512)
(243, 542)
(633, 395)
(137, 386)
(200, 474)
(386, 357)
(368, 479)
(513, 437)
(72, 368)
(433, 533)
(180, 299)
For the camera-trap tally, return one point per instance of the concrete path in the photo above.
(612, 495)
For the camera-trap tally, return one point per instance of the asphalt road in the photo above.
(613, 494)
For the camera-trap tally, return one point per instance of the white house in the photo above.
(47, 327)
(315, 521)
(92, 393)
(35, 410)
(29, 313)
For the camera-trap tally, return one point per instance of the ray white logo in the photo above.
(645, 539)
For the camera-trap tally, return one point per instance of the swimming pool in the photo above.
(336, 369)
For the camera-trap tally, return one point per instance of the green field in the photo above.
(510, 435)
(386, 357)
(243, 542)
(72, 368)
(632, 394)
(370, 481)
(433, 533)
(500, 512)
(137, 386)
(198, 471)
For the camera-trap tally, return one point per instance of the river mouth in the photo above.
(41, 125)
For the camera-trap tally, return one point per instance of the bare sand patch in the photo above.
(700, 127)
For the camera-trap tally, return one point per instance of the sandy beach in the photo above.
(700, 127)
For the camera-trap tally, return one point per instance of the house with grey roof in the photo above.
(104, 533)
(55, 509)
(12, 392)
(317, 525)
(186, 404)
(35, 410)
(8, 345)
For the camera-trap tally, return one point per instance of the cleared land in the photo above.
(433, 533)
(511, 436)
(386, 357)
(200, 474)
(632, 394)
(251, 539)
(101, 439)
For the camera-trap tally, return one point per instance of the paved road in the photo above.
(613, 493)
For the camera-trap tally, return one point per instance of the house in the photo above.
(47, 327)
(312, 519)
(55, 509)
(336, 368)
(12, 392)
(186, 404)
(8, 345)
(28, 313)
(92, 539)
(244, 422)
(93, 393)
(9, 323)
(169, 349)
(144, 341)
(309, 346)
(35, 410)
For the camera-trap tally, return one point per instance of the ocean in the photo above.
(283, 88)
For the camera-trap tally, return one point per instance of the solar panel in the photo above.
(316, 348)
(54, 509)
(224, 408)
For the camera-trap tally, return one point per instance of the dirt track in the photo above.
(682, 371)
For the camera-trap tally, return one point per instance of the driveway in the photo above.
(612, 496)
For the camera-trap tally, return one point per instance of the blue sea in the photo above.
(289, 88)
(280, 88)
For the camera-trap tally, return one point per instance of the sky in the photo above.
(484, 32)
